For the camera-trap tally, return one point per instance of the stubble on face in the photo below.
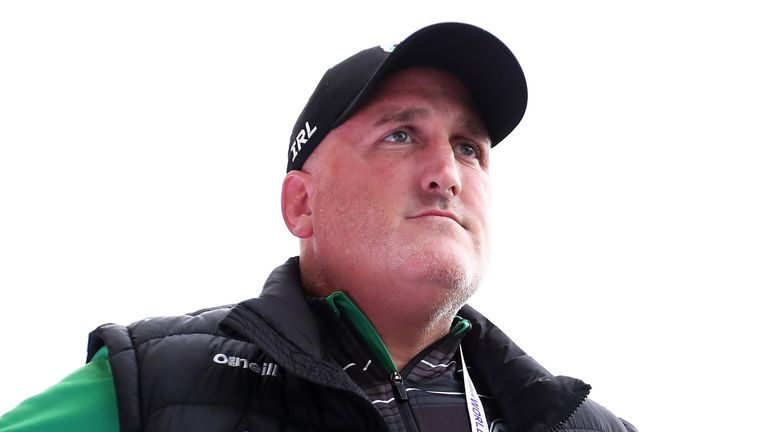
(362, 201)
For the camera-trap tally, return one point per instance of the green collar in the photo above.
(343, 306)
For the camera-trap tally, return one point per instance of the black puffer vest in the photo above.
(259, 366)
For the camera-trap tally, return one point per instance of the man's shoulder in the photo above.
(591, 416)
(205, 320)
(119, 337)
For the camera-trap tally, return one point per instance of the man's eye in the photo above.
(468, 150)
(398, 136)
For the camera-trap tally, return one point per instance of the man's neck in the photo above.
(406, 336)
(408, 317)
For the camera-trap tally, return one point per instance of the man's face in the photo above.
(401, 190)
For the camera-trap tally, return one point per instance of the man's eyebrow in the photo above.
(403, 116)
(472, 125)
(475, 128)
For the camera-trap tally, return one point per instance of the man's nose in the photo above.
(441, 171)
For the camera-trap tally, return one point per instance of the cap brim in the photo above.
(477, 58)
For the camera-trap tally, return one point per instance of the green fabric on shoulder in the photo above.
(83, 401)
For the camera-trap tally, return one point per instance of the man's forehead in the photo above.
(396, 100)
(423, 78)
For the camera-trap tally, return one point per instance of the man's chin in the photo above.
(444, 268)
(451, 283)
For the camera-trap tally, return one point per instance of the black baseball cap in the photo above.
(477, 58)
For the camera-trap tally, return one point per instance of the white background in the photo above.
(142, 147)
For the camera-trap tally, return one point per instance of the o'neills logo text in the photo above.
(237, 362)
(301, 138)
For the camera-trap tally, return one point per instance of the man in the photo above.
(388, 191)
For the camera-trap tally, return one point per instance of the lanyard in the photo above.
(477, 420)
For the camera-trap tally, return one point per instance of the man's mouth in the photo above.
(438, 213)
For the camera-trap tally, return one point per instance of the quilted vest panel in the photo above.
(184, 374)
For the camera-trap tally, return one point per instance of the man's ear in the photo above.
(297, 212)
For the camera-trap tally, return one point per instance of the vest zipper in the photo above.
(343, 306)
(398, 382)
(399, 386)
(401, 394)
